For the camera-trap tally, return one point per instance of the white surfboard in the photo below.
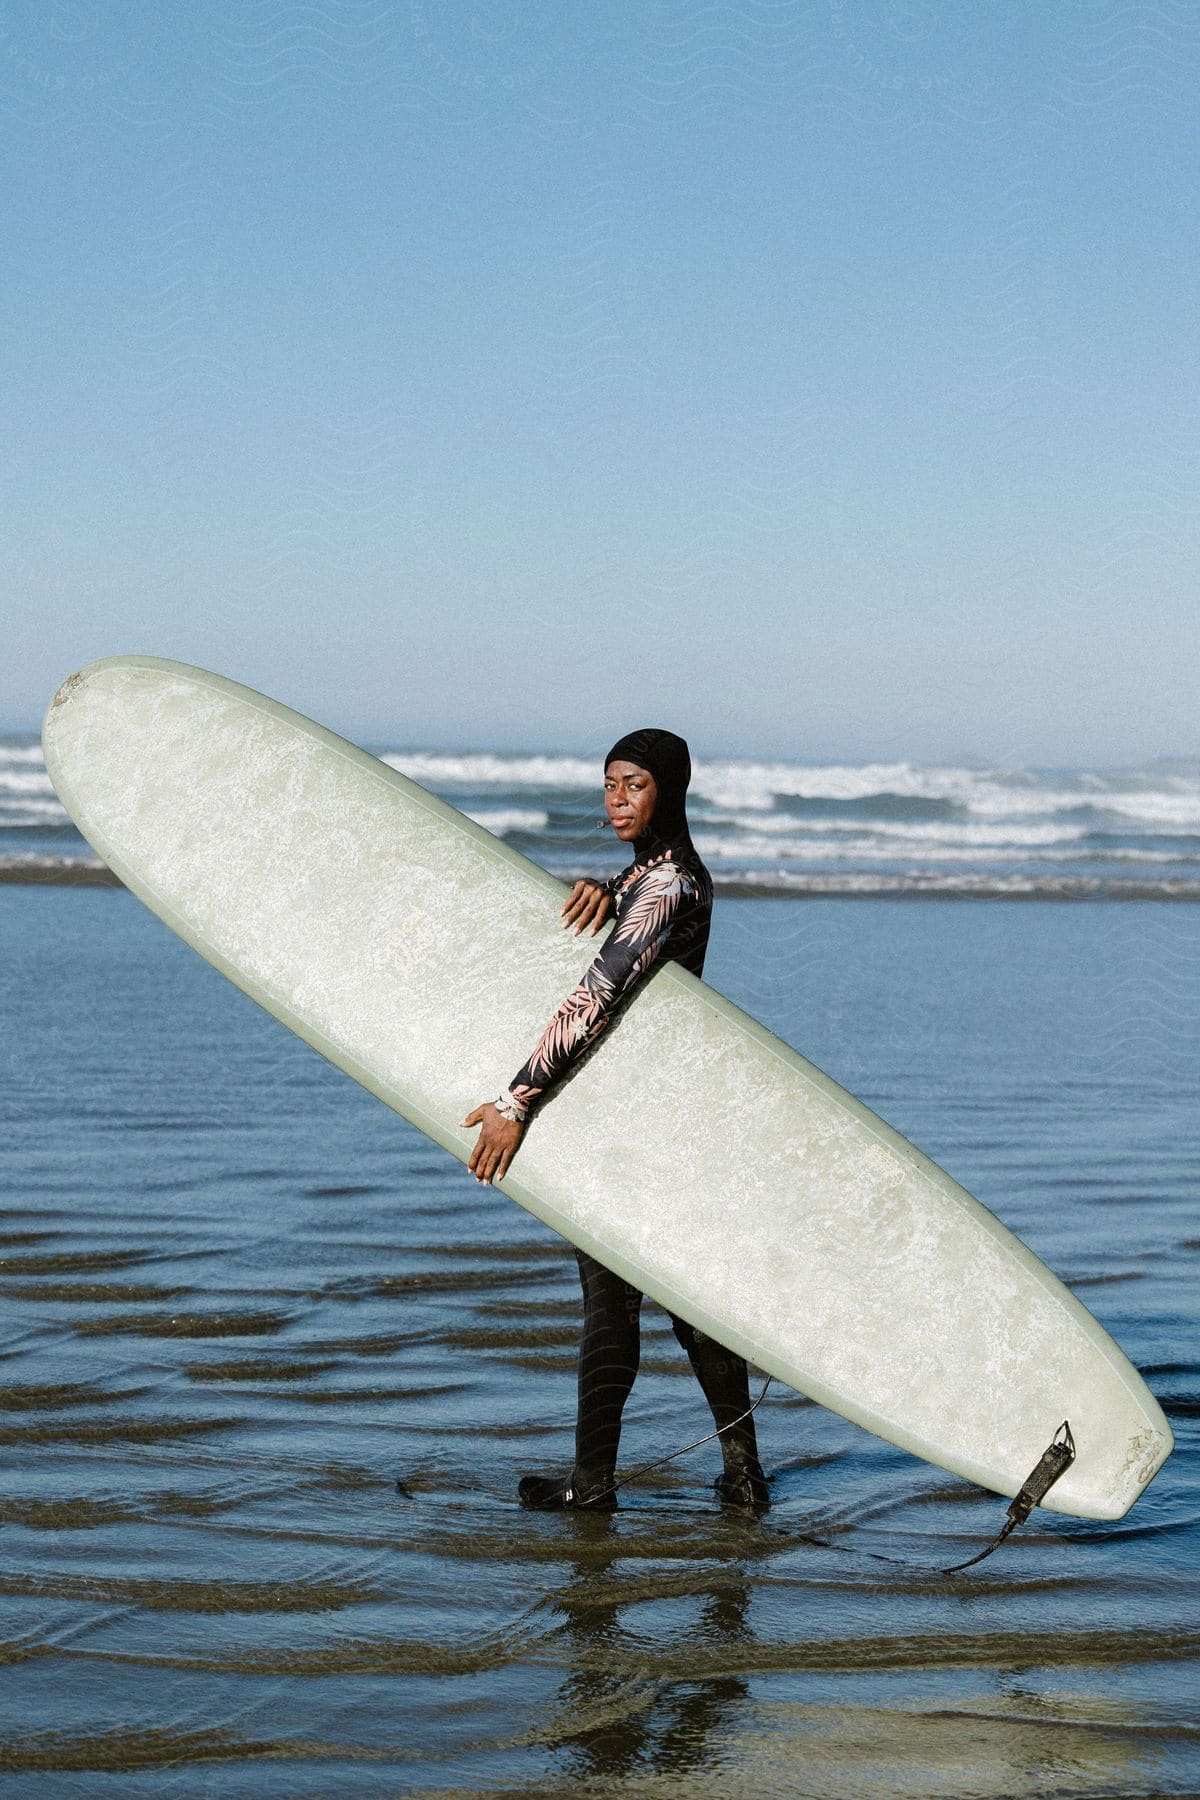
(693, 1152)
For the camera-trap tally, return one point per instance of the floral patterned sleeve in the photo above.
(648, 908)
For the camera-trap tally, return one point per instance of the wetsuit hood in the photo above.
(666, 757)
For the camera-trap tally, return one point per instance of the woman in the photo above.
(663, 905)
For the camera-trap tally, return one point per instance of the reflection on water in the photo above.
(271, 1366)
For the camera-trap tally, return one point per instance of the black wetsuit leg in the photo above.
(726, 1386)
(609, 1354)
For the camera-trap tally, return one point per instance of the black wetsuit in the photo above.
(663, 907)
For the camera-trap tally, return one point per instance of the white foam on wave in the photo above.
(17, 781)
(965, 885)
(15, 813)
(1015, 792)
(1149, 798)
(484, 769)
(948, 832)
(1164, 803)
(503, 819)
(51, 867)
(935, 882)
(757, 785)
(1168, 814)
(749, 849)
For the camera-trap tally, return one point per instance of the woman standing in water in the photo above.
(663, 906)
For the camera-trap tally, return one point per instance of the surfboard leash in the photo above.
(1055, 1460)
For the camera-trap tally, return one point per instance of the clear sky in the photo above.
(817, 378)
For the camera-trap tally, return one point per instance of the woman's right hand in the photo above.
(496, 1144)
(587, 904)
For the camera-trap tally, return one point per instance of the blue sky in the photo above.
(819, 379)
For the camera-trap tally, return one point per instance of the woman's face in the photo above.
(630, 794)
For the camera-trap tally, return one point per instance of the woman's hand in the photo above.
(587, 904)
(495, 1146)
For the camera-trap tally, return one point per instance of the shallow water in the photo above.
(240, 1301)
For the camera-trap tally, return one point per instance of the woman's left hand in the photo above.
(495, 1146)
(588, 903)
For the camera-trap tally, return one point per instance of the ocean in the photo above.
(779, 828)
(272, 1364)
